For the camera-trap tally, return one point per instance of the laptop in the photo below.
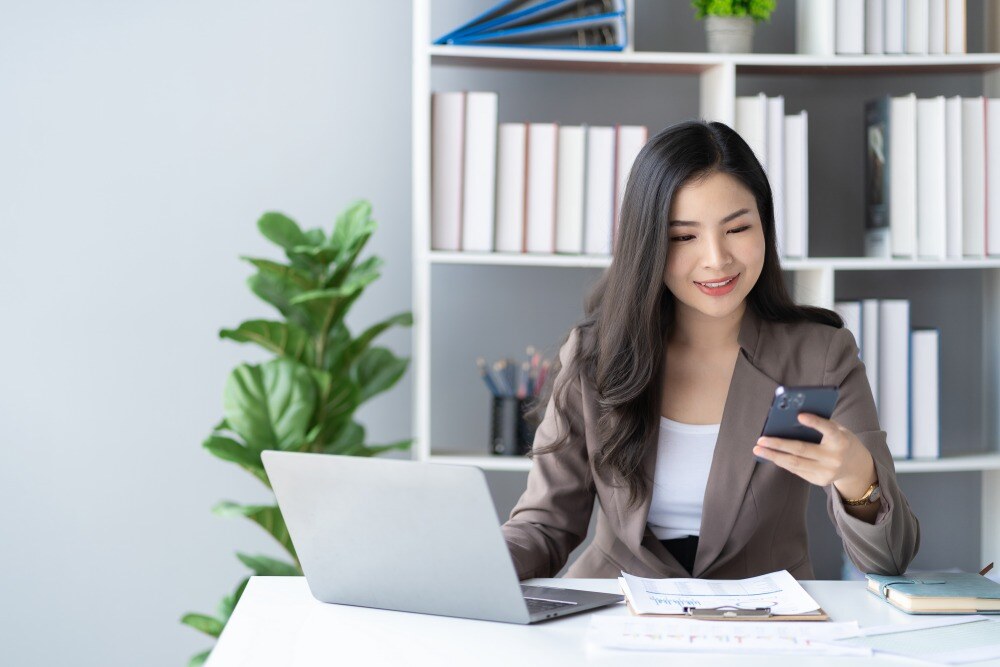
(407, 536)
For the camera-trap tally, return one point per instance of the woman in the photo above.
(662, 390)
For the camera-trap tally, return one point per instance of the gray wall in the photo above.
(141, 140)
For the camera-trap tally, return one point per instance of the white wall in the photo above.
(139, 143)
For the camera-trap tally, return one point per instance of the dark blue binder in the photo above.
(602, 32)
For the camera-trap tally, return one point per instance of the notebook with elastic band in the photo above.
(938, 592)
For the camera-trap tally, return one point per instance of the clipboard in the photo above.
(734, 614)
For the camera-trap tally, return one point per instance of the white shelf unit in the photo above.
(813, 279)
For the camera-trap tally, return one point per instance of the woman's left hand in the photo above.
(839, 459)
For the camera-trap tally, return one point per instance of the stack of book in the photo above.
(890, 27)
(781, 145)
(903, 370)
(931, 168)
(524, 187)
(559, 24)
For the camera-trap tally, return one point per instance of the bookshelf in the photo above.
(817, 281)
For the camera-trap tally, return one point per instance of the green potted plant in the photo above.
(729, 23)
(304, 399)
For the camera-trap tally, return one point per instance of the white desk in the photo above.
(278, 622)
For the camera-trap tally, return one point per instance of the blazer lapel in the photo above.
(747, 403)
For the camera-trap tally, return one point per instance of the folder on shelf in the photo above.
(938, 592)
(517, 13)
(601, 32)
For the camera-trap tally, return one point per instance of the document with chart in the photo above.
(778, 592)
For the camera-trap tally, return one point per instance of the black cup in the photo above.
(510, 433)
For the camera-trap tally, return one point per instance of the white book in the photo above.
(875, 27)
(447, 154)
(936, 27)
(815, 27)
(600, 193)
(629, 140)
(540, 193)
(751, 124)
(925, 424)
(797, 185)
(869, 344)
(931, 179)
(776, 165)
(953, 171)
(974, 177)
(903, 175)
(569, 190)
(512, 146)
(992, 176)
(895, 26)
(956, 30)
(893, 374)
(850, 312)
(850, 27)
(917, 14)
(479, 184)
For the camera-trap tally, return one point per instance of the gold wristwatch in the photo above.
(871, 496)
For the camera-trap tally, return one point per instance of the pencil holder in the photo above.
(511, 434)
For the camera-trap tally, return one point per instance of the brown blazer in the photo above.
(753, 519)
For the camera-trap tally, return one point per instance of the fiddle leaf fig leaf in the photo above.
(270, 405)
(281, 229)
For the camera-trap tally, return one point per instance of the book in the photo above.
(877, 183)
(850, 27)
(869, 344)
(751, 124)
(953, 176)
(875, 27)
(916, 13)
(894, 374)
(955, 30)
(850, 312)
(895, 27)
(600, 32)
(776, 165)
(540, 191)
(992, 232)
(797, 185)
(931, 179)
(512, 142)
(447, 155)
(925, 422)
(937, 14)
(938, 592)
(571, 174)
(600, 192)
(815, 27)
(629, 140)
(974, 176)
(902, 170)
(534, 12)
(479, 171)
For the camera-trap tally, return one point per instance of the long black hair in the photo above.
(630, 312)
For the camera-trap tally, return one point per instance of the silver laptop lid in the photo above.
(393, 534)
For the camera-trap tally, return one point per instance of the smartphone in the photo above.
(783, 418)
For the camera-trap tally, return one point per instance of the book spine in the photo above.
(447, 156)
(479, 187)
(511, 175)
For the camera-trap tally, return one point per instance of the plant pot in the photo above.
(729, 34)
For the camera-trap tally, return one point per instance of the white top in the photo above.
(683, 461)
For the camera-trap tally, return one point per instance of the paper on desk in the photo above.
(954, 640)
(777, 590)
(668, 634)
